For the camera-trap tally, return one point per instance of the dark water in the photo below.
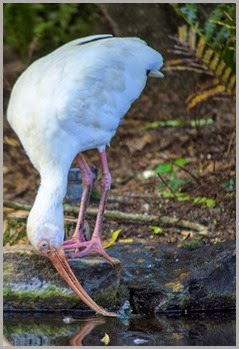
(55, 329)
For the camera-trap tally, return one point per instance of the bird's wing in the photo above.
(103, 77)
(85, 87)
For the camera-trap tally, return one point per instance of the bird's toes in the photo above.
(73, 243)
(68, 243)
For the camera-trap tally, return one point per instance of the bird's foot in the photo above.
(73, 242)
(84, 248)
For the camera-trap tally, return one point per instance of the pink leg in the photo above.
(95, 244)
(87, 183)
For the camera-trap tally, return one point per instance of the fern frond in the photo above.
(232, 84)
(200, 47)
(223, 24)
(201, 59)
(183, 33)
(208, 84)
(207, 56)
(192, 37)
(200, 97)
(184, 68)
(214, 63)
(226, 74)
(220, 68)
(205, 86)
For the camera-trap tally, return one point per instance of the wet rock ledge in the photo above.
(32, 283)
(154, 278)
(164, 278)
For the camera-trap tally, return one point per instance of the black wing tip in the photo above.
(95, 39)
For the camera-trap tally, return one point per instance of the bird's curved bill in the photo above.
(58, 259)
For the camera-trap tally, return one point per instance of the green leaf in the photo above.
(156, 230)
(173, 123)
(165, 167)
(176, 183)
(202, 122)
(182, 197)
(163, 123)
(172, 176)
(114, 236)
(199, 200)
(229, 185)
(210, 203)
(95, 195)
(167, 194)
(223, 24)
(180, 162)
(190, 10)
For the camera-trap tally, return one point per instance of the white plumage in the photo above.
(67, 102)
(73, 100)
(78, 94)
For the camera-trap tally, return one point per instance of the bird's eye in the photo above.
(44, 245)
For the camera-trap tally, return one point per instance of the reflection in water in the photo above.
(91, 323)
(75, 329)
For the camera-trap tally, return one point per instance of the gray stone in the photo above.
(74, 185)
(155, 278)
(161, 278)
(32, 283)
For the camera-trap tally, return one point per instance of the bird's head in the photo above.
(48, 241)
(45, 236)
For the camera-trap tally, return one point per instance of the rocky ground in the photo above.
(136, 151)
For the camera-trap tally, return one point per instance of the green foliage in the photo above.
(210, 203)
(216, 25)
(207, 46)
(173, 182)
(230, 185)
(178, 123)
(45, 26)
(113, 237)
(178, 195)
(220, 32)
(202, 122)
(95, 195)
(156, 230)
(190, 12)
(165, 167)
(171, 185)
(18, 24)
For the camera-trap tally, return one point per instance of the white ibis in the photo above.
(65, 103)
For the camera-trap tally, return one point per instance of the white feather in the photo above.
(73, 100)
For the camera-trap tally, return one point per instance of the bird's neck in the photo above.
(48, 207)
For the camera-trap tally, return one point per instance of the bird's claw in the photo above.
(72, 243)
(84, 248)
